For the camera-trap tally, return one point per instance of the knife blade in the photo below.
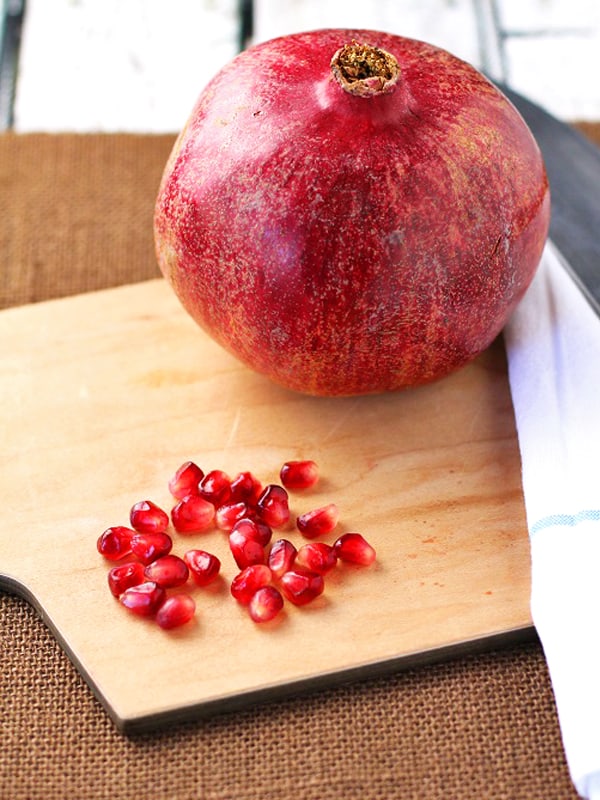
(573, 167)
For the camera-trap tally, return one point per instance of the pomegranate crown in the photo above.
(365, 70)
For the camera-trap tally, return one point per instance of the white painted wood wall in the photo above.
(138, 65)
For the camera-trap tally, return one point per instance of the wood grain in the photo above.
(105, 394)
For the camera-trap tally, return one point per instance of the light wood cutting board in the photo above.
(104, 395)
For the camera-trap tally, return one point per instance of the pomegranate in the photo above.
(185, 480)
(245, 549)
(269, 573)
(226, 516)
(299, 474)
(215, 487)
(281, 557)
(144, 599)
(246, 488)
(176, 611)
(146, 517)
(350, 211)
(319, 521)
(265, 604)
(115, 542)
(273, 506)
(150, 546)
(316, 557)
(354, 548)
(167, 571)
(301, 586)
(124, 576)
(192, 514)
(247, 582)
(204, 567)
(254, 529)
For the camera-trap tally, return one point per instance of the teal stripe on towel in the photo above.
(569, 520)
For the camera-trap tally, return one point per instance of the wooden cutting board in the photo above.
(104, 395)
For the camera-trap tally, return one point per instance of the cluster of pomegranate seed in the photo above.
(248, 512)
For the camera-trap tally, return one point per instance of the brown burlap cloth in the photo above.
(76, 215)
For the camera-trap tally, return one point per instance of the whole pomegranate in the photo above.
(349, 211)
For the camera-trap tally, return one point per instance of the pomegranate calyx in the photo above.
(364, 70)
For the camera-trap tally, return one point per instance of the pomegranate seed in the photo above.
(265, 604)
(281, 557)
(354, 548)
(245, 488)
(167, 571)
(299, 474)
(254, 529)
(317, 557)
(273, 506)
(245, 550)
(249, 512)
(227, 515)
(215, 487)
(147, 517)
(185, 480)
(176, 611)
(124, 576)
(318, 522)
(115, 543)
(143, 599)
(301, 586)
(249, 581)
(203, 566)
(150, 546)
(192, 514)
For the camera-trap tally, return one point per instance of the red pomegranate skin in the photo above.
(346, 245)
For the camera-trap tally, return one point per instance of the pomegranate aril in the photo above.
(281, 557)
(317, 557)
(115, 543)
(301, 586)
(227, 515)
(273, 506)
(254, 529)
(176, 611)
(318, 522)
(265, 604)
(245, 550)
(185, 480)
(192, 514)
(215, 487)
(204, 567)
(147, 517)
(167, 571)
(245, 488)
(125, 576)
(354, 548)
(150, 546)
(143, 599)
(248, 512)
(299, 474)
(249, 581)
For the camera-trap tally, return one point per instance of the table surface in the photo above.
(478, 726)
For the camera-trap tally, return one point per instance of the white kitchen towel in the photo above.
(553, 347)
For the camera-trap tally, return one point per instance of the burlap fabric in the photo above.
(75, 215)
